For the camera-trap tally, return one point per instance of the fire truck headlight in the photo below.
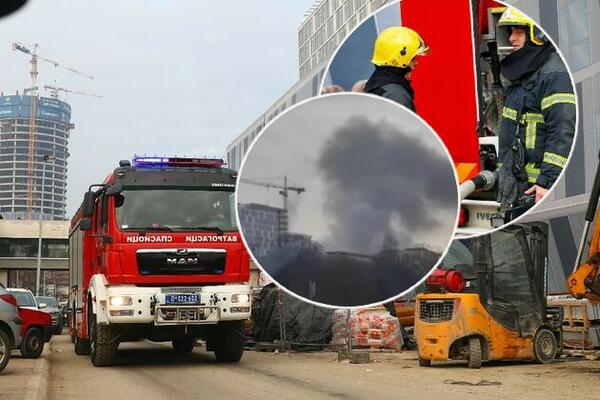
(240, 298)
(119, 301)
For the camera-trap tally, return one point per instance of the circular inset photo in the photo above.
(488, 80)
(347, 200)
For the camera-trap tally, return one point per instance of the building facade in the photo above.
(19, 250)
(326, 25)
(51, 138)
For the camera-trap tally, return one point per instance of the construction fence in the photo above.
(284, 322)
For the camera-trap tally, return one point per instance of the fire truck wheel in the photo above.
(5, 346)
(82, 347)
(103, 346)
(183, 345)
(474, 352)
(33, 343)
(229, 343)
(424, 362)
(544, 346)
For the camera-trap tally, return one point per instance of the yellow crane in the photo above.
(33, 90)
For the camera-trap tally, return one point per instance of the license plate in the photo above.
(182, 299)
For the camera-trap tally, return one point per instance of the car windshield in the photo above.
(176, 209)
(49, 301)
(24, 299)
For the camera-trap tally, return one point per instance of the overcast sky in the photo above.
(178, 77)
(369, 167)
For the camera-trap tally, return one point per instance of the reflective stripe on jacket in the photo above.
(542, 108)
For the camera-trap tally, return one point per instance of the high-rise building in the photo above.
(51, 138)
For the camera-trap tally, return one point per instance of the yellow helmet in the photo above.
(514, 17)
(397, 46)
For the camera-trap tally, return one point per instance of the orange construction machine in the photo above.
(488, 301)
(584, 282)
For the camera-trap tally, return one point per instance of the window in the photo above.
(575, 32)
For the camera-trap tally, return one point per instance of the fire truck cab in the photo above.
(155, 254)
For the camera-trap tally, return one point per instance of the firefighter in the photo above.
(538, 118)
(394, 57)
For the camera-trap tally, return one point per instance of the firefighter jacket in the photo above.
(396, 93)
(540, 110)
(391, 83)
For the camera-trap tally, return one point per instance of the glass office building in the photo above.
(51, 137)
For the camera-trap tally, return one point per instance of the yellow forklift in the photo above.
(488, 301)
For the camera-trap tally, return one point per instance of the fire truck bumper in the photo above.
(197, 305)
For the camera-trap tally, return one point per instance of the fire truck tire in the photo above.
(545, 346)
(229, 343)
(183, 345)
(103, 346)
(474, 353)
(423, 362)
(5, 347)
(82, 347)
(33, 343)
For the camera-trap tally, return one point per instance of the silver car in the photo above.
(9, 325)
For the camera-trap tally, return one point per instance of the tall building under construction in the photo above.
(24, 170)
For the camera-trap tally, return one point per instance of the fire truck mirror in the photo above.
(114, 190)
(119, 200)
(85, 224)
(89, 200)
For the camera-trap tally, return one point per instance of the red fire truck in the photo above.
(155, 254)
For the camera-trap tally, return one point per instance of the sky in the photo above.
(372, 171)
(178, 77)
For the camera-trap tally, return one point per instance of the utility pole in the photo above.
(45, 159)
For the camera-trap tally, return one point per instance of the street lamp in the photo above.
(45, 159)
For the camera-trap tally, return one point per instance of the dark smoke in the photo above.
(373, 172)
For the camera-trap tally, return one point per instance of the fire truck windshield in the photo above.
(175, 210)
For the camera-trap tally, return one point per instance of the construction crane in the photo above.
(283, 216)
(55, 89)
(33, 90)
(284, 188)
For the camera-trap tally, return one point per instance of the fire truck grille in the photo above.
(178, 263)
(436, 310)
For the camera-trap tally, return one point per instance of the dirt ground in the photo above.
(152, 371)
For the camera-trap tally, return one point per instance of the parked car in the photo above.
(36, 326)
(25, 299)
(52, 307)
(9, 325)
(64, 309)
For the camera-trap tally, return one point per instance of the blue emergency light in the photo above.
(162, 162)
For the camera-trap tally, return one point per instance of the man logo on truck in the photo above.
(182, 261)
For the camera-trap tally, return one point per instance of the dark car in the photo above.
(53, 308)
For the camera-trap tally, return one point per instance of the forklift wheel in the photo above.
(424, 362)
(474, 353)
(544, 346)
